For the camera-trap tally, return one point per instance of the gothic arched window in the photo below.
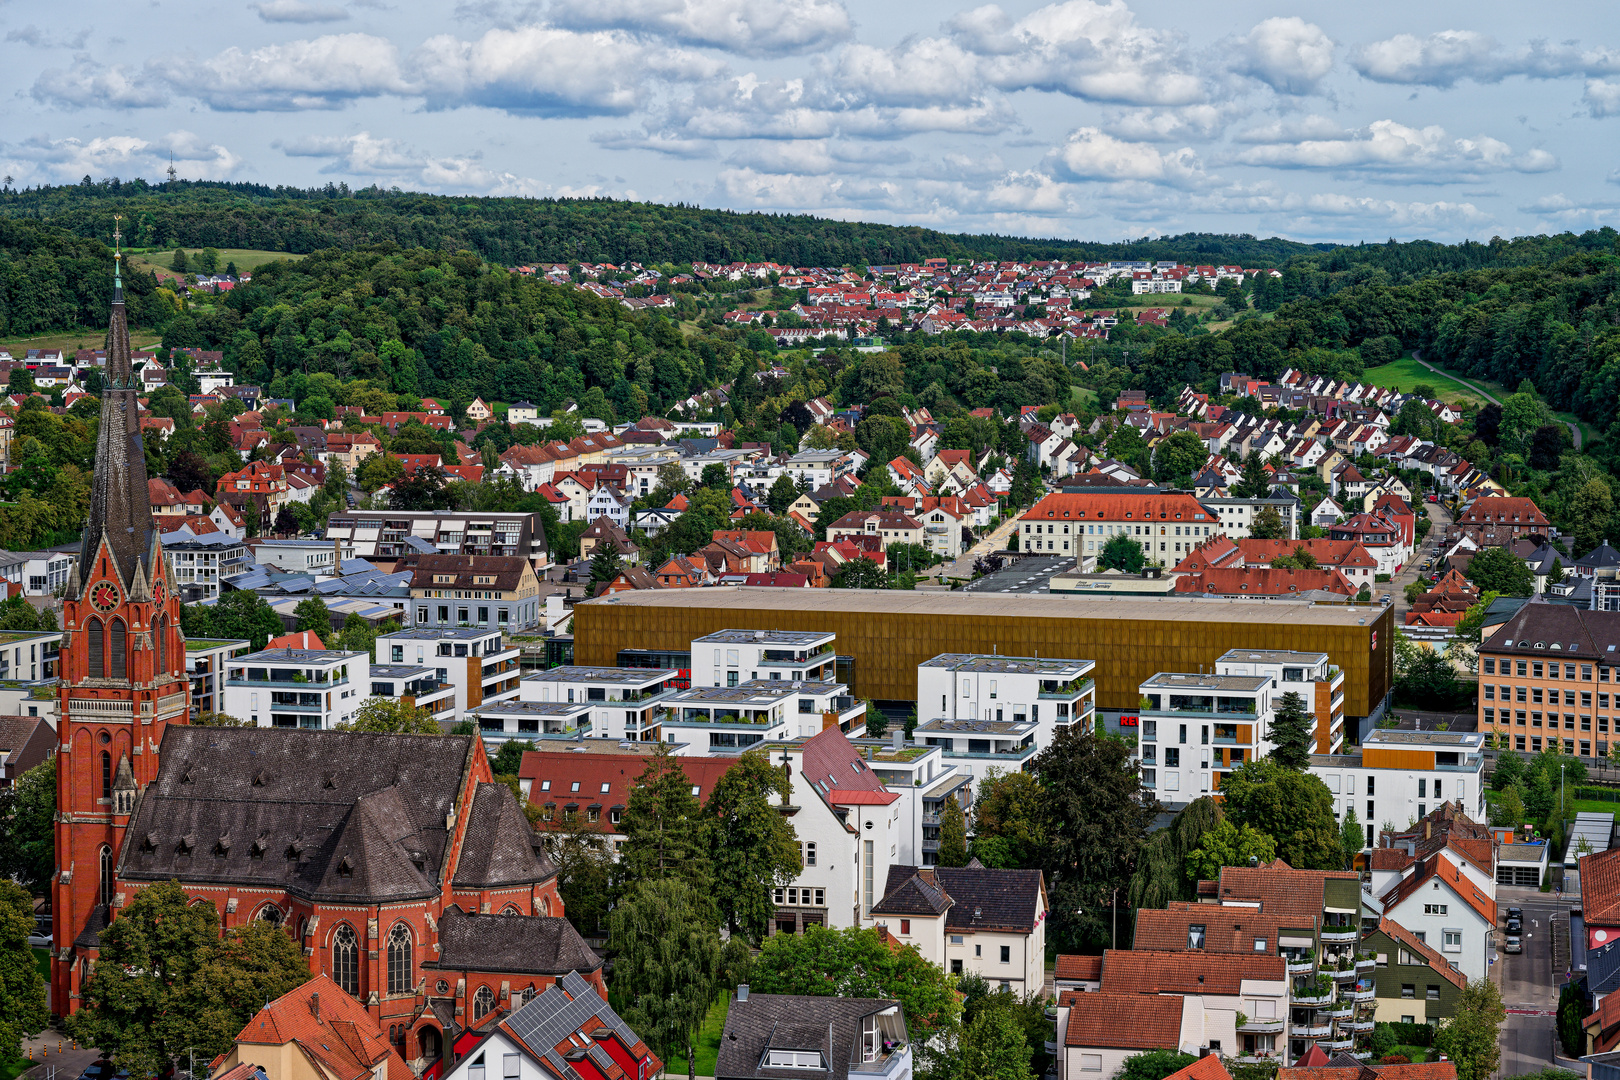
(483, 1002)
(116, 649)
(96, 648)
(346, 960)
(270, 914)
(106, 775)
(399, 959)
(106, 873)
(163, 644)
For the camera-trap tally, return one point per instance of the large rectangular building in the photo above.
(888, 634)
(396, 533)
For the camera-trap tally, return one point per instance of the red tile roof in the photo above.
(1208, 1067)
(1417, 1070)
(1263, 581)
(619, 772)
(1123, 1021)
(1079, 967)
(1440, 964)
(1115, 506)
(1156, 971)
(1600, 888)
(328, 1026)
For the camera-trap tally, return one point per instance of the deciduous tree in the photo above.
(27, 829)
(1228, 844)
(667, 962)
(392, 716)
(952, 834)
(313, 614)
(1122, 553)
(1007, 829)
(855, 962)
(752, 845)
(1294, 808)
(22, 988)
(1498, 570)
(1470, 1037)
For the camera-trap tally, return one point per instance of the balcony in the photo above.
(1364, 994)
(1262, 1026)
(1315, 1029)
(1312, 994)
(1366, 963)
(1340, 1010)
(1343, 974)
(1302, 966)
(1360, 1025)
(1339, 935)
(1068, 693)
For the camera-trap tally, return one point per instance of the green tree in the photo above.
(1267, 525)
(1256, 483)
(1498, 570)
(1540, 800)
(584, 865)
(1509, 770)
(1095, 814)
(663, 836)
(715, 476)
(250, 518)
(752, 845)
(1295, 809)
(180, 264)
(1154, 1065)
(855, 962)
(859, 573)
(1228, 844)
(1555, 573)
(22, 988)
(28, 835)
(508, 760)
(782, 494)
(207, 261)
(238, 614)
(1178, 457)
(20, 381)
(313, 614)
(877, 724)
(667, 962)
(994, 1047)
(1122, 553)
(952, 834)
(606, 563)
(1160, 876)
(1352, 838)
(1508, 809)
(134, 1005)
(1291, 732)
(392, 716)
(1591, 509)
(1471, 1036)
(1429, 682)
(1007, 829)
(254, 963)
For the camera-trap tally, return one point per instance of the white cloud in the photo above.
(1602, 97)
(1386, 145)
(88, 83)
(1289, 54)
(657, 142)
(545, 71)
(33, 36)
(297, 11)
(747, 107)
(750, 27)
(1293, 129)
(1444, 58)
(927, 71)
(366, 156)
(320, 73)
(42, 159)
(1081, 48)
(1172, 125)
(1091, 155)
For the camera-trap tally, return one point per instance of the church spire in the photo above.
(120, 505)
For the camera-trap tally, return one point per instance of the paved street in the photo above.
(1440, 521)
(1529, 985)
(53, 1063)
(962, 568)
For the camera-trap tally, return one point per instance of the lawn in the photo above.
(42, 958)
(244, 258)
(707, 1047)
(1406, 373)
(76, 339)
(10, 1069)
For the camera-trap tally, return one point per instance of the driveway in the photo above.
(962, 568)
(1529, 983)
(1574, 429)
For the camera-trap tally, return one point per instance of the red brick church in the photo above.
(407, 874)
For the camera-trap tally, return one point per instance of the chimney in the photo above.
(1428, 830)
(742, 991)
(899, 739)
(337, 556)
(315, 1007)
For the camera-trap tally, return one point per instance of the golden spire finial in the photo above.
(118, 255)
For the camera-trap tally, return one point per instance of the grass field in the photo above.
(707, 1047)
(244, 258)
(1406, 373)
(76, 339)
(42, 958)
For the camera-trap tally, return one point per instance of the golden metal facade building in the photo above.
(890, 633)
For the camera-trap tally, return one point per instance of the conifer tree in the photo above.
(663, 832)
(1290, 732)
(952, 834)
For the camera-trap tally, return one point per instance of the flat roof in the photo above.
(764, 637)
(295, 656)
(948, 726)
(201, 644)
(752, 691)
(401, 671)
(1393, 736)
(970, 605)
(1271, 656)
(447, 633)
(1173, 680)
(1009, 665)
(578, 674)
(533, 708)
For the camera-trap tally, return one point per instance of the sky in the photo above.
(1076, 119)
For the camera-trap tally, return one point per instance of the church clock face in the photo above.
(157, 591)
(104, 597)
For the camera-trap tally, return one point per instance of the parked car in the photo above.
(39, 940)
(1434, 498)
(1512, 945)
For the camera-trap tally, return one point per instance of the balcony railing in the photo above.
(1339, 934)
(1366, 964)
(1269, 1025)
(1302, 965)
(1364, 994)
(1340, 1010)
(1313, 1029)
(1361, 1025)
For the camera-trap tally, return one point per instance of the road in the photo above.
(1439, 522)
(1574, 429)
(962, 568)
(1529, 985)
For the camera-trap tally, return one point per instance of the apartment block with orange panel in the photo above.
(1311, 675)
(1196, 728)
(1549, 677)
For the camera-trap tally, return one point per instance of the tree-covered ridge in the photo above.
(511, 231)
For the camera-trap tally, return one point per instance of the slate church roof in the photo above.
(326, 815)
(515, 944)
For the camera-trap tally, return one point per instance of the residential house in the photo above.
(774, 1035)
(971, 920)
(316, 1030)
(1166, 525)
(1415, 983)
(493, 592)
(25, 741)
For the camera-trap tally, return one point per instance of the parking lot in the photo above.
(1032, 574)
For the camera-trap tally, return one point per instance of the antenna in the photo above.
(172, 173)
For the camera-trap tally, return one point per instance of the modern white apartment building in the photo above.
(923, 779)
(1311, 675)
(625, 703)
(727, 719)
(476, 662)
(1399, 776)
(731, 657)
(303, 556)
(546, 723)
(297, 688)
(1197, 728)
(976, 746)
(418, 686)
(205, 666)
(1046, 694)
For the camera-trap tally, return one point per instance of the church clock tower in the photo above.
(122, 673)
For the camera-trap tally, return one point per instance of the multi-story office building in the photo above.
(417, 686)
(476, 662)
(394, 533)
(624, 703)
(1042, 695)
(546, 723)
(1311, 675)
(303, 556)
(1197, 728)
(297, 688)
(205, 666)
(1548, 679)
(1399, 776)
(1166, 525)
(487, 592)
(731, 657)
(726, 719)
(202, 562)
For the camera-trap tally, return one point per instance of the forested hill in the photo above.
(515, 231)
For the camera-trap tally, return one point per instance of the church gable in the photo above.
(497, 849)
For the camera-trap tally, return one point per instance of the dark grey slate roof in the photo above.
(90, 936)
(514, 944)
(331, 815)
(1602, 555)
(912, 893)
(500, 848)
(792, 1022)
(1603, 968)
(972, 897)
